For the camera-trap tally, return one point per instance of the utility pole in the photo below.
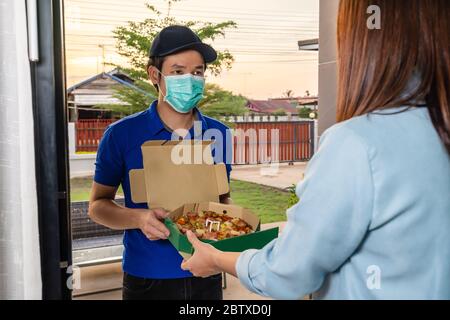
(169, 8)
(102, 46)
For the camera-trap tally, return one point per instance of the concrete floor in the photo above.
(104, 282)
(279, 176)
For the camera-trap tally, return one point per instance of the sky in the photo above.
(264, 45)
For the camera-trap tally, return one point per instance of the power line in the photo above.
(254, 12)
(109, 22)
(278, 61)
(219, 47)
(235, 53)
(208, 13)
(210, 16)
(243, 46)
(285, 45)
(235, 34)
(235, 14)
(229, 34)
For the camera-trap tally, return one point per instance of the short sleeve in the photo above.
(109, 163)
(228, 151)
(223, 146)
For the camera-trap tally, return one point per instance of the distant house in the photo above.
(301, 102)
(268, 107)
(309, 45)
(96, 90)
(309, 102)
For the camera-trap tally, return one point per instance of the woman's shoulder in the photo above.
(346, 133)
(384, 126)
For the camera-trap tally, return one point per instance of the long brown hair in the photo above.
(377, 65)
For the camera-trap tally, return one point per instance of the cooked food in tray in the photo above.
(208, 225)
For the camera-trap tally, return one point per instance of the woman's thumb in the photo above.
(192, 238)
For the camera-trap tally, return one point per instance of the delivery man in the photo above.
(151, 265)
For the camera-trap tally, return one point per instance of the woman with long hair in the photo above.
(373, 219)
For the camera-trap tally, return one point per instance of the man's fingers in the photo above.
(161, 227)
(160, 213)
(153, 234)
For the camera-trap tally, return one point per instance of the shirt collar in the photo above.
(157, 125)
(201, 117)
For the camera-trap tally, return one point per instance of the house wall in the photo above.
(327, 64)
(95, 99)
(80, 165)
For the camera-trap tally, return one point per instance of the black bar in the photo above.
(51, 140)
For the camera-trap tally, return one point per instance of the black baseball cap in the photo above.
(175, 39)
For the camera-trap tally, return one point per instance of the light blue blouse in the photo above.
(373, 221)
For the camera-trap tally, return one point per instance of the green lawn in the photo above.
(81, 187)
(268, 203)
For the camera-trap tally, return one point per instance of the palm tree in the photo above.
(288, 93)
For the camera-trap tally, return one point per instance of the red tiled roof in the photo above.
(299, 100)
(271, 106)
(306, 101)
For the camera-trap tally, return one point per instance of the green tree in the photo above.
(306, 112)
(133, 42)
(293, 199)
(132, 100)
(279, 112)
(222, 103)
(289, 93)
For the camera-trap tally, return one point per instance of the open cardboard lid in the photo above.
(176, 173)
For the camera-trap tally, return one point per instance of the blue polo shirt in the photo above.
(118, 153)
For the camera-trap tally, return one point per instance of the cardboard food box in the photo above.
(181, 177)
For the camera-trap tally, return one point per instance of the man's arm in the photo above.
(105, 211)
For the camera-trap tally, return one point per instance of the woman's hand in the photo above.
(204, 261)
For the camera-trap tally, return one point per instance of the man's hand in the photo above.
(151, 224)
